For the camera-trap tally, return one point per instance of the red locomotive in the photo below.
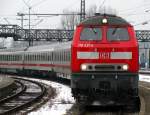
(101, 62)
(105, 61)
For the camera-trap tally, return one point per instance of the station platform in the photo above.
(7, 85)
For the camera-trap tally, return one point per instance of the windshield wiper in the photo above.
(114, 31)
(94, 30)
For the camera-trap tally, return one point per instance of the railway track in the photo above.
(28, 92)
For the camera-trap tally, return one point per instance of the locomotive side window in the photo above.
(117, 34)
(91, 34)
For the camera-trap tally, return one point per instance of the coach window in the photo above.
(69, 55)
(5, 57)
(91, 34)
(59, 56)
(39, 57)
(34, 57)
(117, 34)
(2, 57)
(9, 57)
(55, 56)
(16, 57)
(52, 56)
(29, 58)
(64, 55)
(26, 57)
(48, 57)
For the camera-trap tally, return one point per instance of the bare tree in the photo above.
(91, 11)
(68, 22)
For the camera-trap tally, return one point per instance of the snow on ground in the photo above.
(60, 104)
(143, 77)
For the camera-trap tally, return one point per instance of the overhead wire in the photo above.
(71, 5)
(135, 8)
(38, 3)
(142, 23)
(135, 12)
(102, 4)
(31, 6)
(26, 3)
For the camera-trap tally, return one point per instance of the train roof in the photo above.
(51, 47)
(13, 49)
(111, 20)
(41, 48)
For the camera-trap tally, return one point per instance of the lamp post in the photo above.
(30, 41)
(22, 18)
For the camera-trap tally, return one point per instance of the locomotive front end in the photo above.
(105, 61)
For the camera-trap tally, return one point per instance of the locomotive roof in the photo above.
(111, 19)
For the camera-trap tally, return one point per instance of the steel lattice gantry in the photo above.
(20, 34)
(143, 35)
(44, 34)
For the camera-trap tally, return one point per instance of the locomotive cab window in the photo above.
(91, 34)
(117, 34)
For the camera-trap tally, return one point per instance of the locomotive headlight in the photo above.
(83, 67)
(104, 21)
(125, 67)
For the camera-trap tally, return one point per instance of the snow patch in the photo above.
(144, 78)
(60, 104)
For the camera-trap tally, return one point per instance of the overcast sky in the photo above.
(132, 10)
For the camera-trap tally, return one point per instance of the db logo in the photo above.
(104, 55)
